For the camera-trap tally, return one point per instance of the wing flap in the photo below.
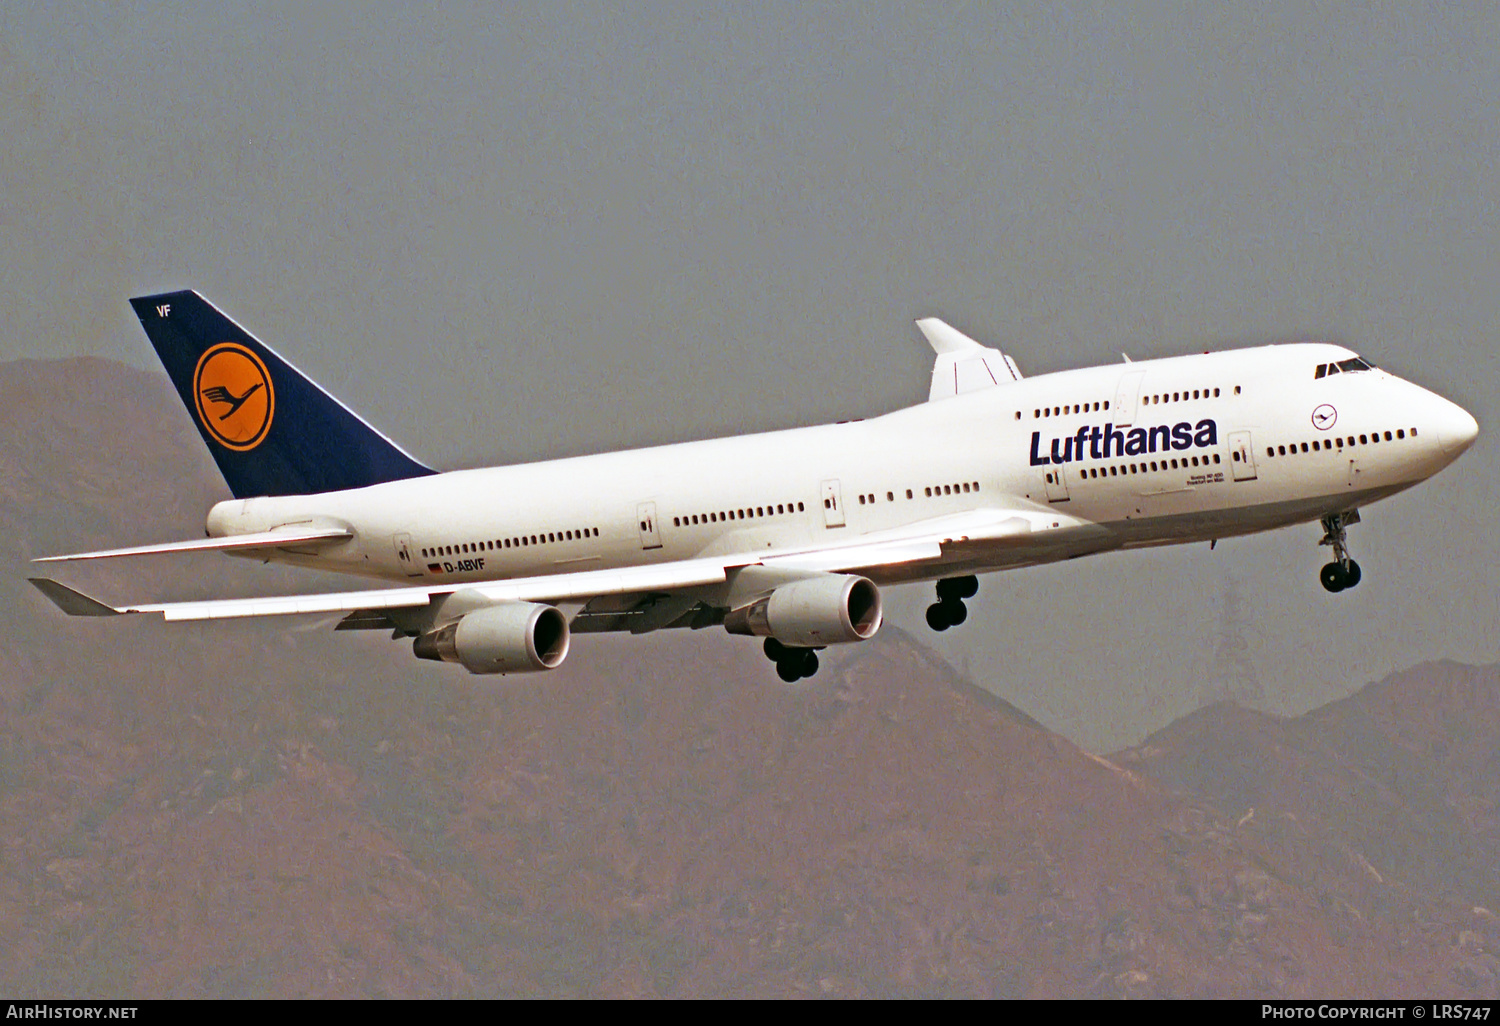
(366, 620)
(280, 538)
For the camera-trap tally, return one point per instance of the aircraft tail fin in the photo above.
(271, 429)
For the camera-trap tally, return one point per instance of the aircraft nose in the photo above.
(1456, 429)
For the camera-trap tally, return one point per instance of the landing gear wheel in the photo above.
(1343, 572)
(796, 663)
(809, 663)
(937, 617)
(1332, 577)
(950, 589)
(774, 650)
(946, 613)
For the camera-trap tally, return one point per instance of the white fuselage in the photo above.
(1154, 452)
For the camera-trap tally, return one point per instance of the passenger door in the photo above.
(406, 555)
(1057, 488)
(1127, 398)
(833, 504)
(1241, 456)
(645, 515)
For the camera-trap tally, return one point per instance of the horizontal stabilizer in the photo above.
(279, 539)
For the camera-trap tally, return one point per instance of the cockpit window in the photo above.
(1358, 363)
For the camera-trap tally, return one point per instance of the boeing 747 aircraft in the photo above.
(788, 536)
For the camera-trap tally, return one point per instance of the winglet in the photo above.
(944, 337)
(74, 603)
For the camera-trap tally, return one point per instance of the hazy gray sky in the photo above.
(507, 234)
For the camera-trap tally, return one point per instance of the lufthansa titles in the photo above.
(1101, 443)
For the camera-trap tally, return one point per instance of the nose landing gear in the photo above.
(1343, 572)
(949, 610)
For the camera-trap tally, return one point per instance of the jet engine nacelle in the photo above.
(827, 610)
(511, 637)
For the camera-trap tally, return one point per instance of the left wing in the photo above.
(904, 547)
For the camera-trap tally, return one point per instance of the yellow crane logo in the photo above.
(234, 396)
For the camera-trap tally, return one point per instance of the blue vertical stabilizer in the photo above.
(270, 428)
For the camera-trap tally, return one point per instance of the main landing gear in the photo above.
(792, 664)
(949, 610)
(1343, 572)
